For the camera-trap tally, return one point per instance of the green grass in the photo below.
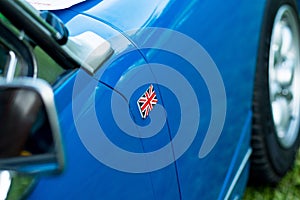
(287, 189)
(19, 186)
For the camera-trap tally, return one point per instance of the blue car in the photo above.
(149, 99)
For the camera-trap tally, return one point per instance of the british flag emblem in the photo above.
(147, 101)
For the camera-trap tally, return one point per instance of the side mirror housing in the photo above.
(30, 139)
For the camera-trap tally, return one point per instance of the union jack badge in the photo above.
(147, 101)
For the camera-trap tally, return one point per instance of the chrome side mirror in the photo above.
(30, 140)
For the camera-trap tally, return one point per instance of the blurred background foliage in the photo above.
(287, 189)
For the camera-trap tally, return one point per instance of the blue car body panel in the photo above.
(229, 32)
(122, 185)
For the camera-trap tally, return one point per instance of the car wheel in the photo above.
(276, 100)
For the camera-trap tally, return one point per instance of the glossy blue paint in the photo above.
(229, 32)
(79, 161)
(230, 51)
(84, 176)
(240, 154)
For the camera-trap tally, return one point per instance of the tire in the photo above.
(276, 102)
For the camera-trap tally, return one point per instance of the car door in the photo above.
(206, 87)
(204, 75)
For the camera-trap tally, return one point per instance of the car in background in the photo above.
(149, 99)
